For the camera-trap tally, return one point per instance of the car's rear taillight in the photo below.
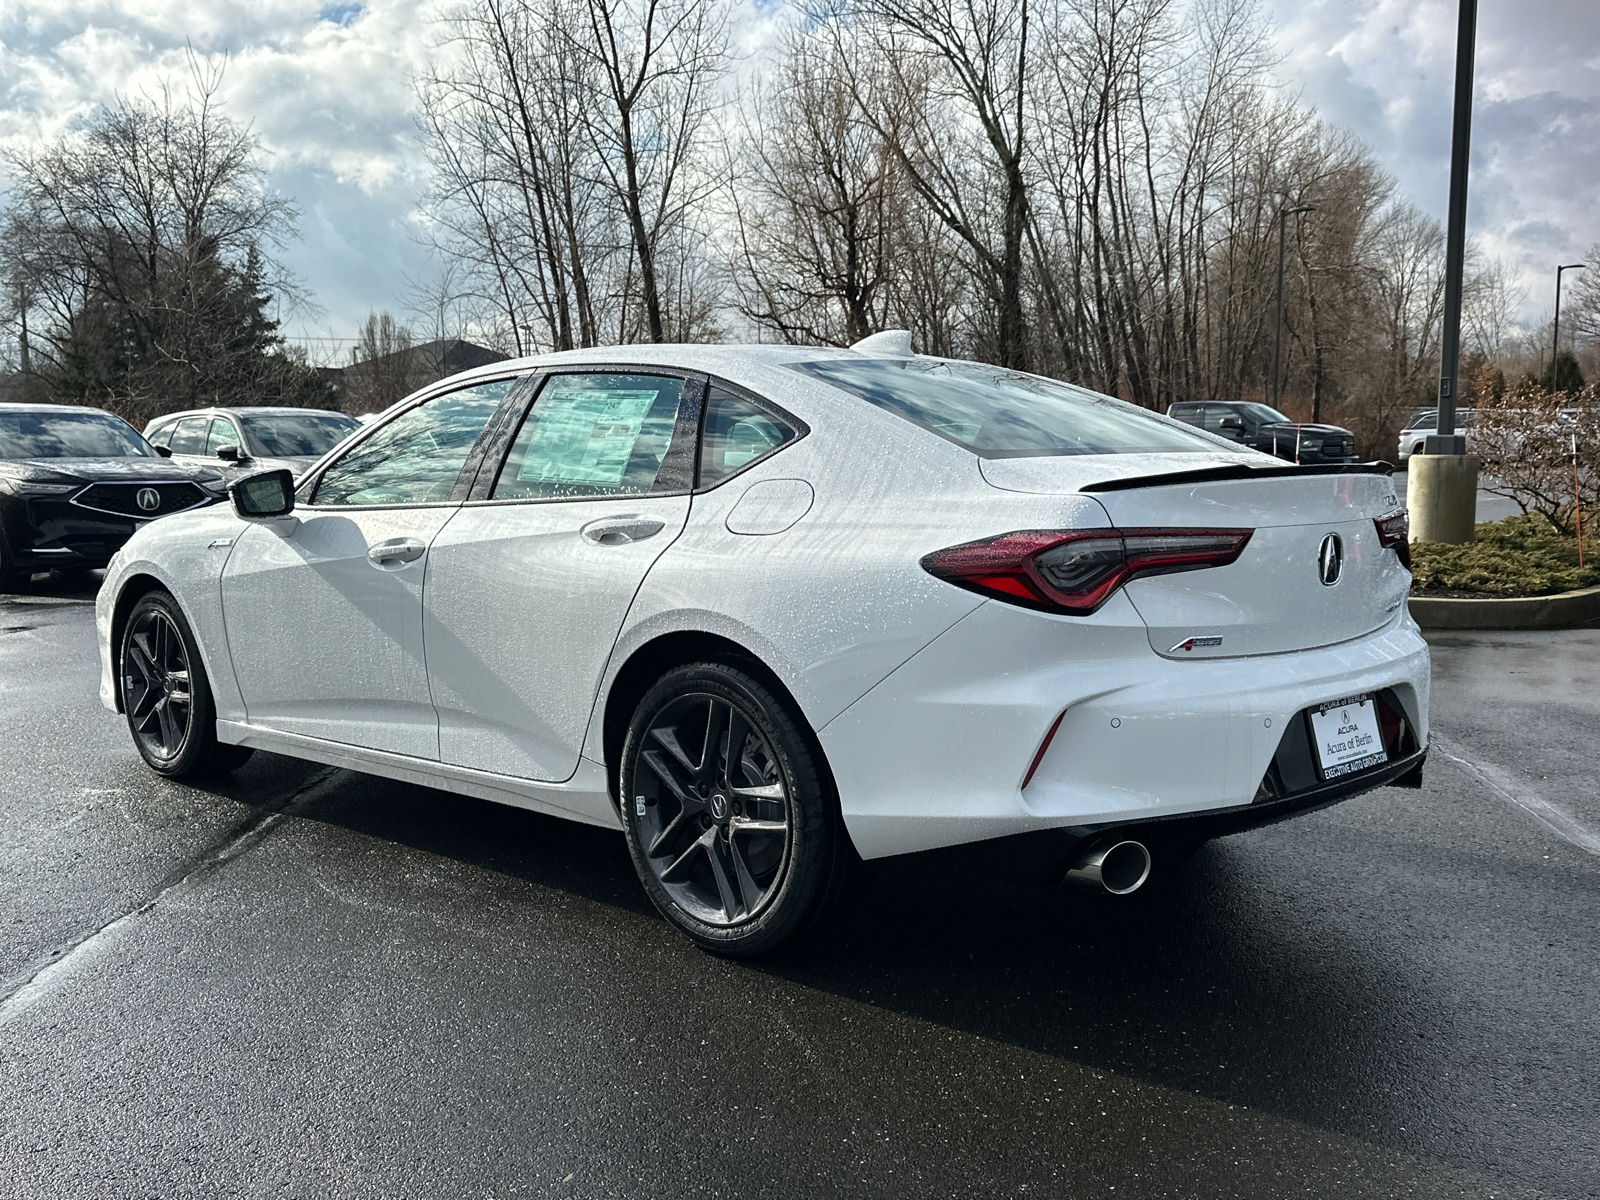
(1394, 533)
(1074, 572)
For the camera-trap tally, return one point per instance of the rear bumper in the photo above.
(939, 752)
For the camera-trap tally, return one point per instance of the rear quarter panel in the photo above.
(833, 603)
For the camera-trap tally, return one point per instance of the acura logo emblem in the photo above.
(148, 499)
(1330, 560)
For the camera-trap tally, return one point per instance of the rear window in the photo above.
(297, 435)
(69, 434)
(997, 413)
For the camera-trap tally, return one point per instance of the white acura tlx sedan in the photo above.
(772, 610)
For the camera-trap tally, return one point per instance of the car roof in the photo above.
(711, 358)
(265, 409)
(18, 406)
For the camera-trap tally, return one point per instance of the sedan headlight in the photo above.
(29, 487)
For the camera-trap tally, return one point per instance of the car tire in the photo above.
(166, 696)
(11, 579)
(742, 857)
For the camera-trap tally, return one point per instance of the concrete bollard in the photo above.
(1442, 497)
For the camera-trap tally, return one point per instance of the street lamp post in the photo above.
(1555, 342)
(1442, 481)
(1277, 340)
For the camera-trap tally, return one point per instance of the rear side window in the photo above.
(737, 434)
(592, 435)
(997, 413)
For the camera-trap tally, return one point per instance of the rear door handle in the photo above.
(619, 531)
(396, 551)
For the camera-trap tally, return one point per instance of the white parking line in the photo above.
(1552, 817)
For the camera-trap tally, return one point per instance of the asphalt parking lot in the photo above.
(312, 983)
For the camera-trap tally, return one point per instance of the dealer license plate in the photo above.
(1347, 736)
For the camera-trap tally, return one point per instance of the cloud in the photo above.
(326, 84)
(1386, 70)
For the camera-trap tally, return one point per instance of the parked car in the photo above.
(769, 608)
(74, 485)
(1412, 437)
(1264, 428)
(240, 441)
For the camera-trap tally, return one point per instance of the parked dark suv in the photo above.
(1264, 428)
(74, 485)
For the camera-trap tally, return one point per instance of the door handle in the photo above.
(396, 551)
(620, 531)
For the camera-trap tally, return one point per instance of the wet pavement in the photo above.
(307, 982)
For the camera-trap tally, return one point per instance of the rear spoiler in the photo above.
(1237, 471)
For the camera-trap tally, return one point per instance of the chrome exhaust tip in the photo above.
(1119, 867)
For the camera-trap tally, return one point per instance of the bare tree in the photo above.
(137, 248)
(383, 365)
(518, 200)
(654, 67)
(818, 206)
(948, 94)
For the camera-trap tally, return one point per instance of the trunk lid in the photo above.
(1274, 598)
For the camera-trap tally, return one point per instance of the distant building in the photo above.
(375, 383)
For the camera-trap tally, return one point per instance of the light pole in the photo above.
(1555, 342)
(1442, 481)
(1277, 339)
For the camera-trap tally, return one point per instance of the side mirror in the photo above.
(163, 451)
(231, 454)
(1231, 425)
(266, 499)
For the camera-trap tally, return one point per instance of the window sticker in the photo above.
(585, 434)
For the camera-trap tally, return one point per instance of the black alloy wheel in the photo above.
(733, 828)
(166, 695)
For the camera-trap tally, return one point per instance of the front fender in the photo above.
(185, 555)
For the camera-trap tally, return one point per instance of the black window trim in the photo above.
(678, 465)
(755, 401)
(307, 487)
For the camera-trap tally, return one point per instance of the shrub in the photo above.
(1520, 556)
(1525, 439)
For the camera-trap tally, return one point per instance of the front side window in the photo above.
(190, 436)
(592, 435)
(1215, 415)
(417, 457)
(1262, 414)
(998, 413)
(70, 433)
(737, 434)
(297, 435)
(222, 434)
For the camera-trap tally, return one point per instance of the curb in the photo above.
(1565, 610)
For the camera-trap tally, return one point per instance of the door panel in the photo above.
(326, 640)
(520, 616)
(325, 622)
(528, 591)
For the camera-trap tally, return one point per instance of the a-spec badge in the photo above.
(1192, 643)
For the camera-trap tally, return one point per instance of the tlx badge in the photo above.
(1192, 643)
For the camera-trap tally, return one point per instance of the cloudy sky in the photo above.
(327, 88)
